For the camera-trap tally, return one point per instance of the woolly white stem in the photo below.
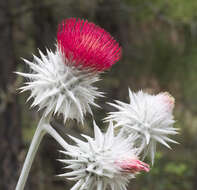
(42, 129)
(51, 131)
(31, 154)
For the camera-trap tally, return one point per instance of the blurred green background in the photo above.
(159, 41)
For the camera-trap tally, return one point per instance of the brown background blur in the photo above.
(159, 41)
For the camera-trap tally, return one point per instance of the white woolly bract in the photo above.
(147, 116)
(93, 163)
(58, 87)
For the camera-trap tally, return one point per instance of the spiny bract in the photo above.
(59, 87)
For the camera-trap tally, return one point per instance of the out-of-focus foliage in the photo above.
(159, 40)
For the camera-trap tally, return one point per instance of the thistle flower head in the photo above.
(87, 45)
(61, 82)
(105, 161)
(147, 116)
(60, 88)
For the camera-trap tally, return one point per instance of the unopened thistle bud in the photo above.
(149, 117)
(103, 162)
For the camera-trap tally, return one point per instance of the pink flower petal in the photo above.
(133, 166)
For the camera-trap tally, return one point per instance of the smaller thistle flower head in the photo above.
(60, 88)
(105, 161)
(87, 45)
(149, 117)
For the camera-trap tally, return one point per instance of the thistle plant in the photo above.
(62, 83)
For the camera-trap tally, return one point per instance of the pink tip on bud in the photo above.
(133, 166)
(168, 99)
(87, 45)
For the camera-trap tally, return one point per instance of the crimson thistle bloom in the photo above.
(61, 82)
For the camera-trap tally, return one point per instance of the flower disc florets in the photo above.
(87, 45)
(149, 117)
(60, 88)
(107, 161)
